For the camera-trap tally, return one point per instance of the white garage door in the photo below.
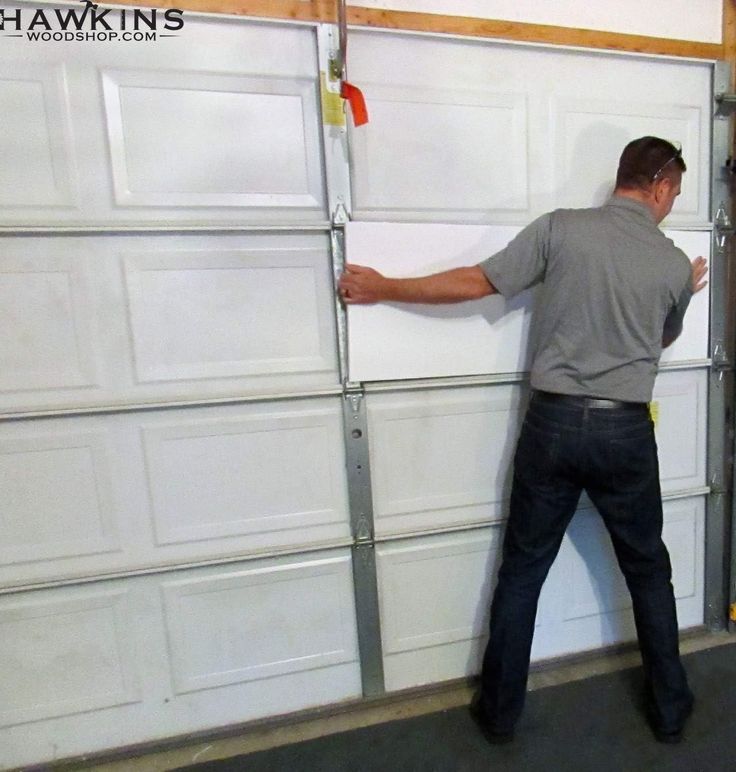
(177, 548)
(466, 143)
(167, 247)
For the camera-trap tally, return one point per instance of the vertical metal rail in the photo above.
(364, 548)
(331, 48)
(717, 525)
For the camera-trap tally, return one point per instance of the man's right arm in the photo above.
(361, 285)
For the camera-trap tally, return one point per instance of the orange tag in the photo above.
(357, 102)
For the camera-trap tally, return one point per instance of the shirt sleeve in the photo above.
(674, 320)
(681, 300)
(523, 261)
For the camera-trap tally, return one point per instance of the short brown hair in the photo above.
(646, 159)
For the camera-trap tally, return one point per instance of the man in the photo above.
(614, 290)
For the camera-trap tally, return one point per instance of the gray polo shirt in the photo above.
(611, 284)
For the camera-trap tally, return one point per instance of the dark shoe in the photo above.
(492, 735)
(673, 737)
(669, 738)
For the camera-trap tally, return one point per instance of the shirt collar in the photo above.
(624, 202)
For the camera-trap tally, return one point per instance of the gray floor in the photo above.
(274, 733)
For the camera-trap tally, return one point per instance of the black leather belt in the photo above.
(595, 403)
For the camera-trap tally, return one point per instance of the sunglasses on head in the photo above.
(678, 154)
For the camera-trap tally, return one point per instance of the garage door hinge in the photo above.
(363, 532)
(722, 221)
(340, 215)
(725, 105)
(354, 393)
(720, 363)
(716, 486)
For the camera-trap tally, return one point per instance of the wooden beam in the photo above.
(532, 33)
(464, 26)
(729, 32)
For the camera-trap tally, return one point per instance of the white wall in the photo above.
(680, 19)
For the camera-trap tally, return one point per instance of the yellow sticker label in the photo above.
(654, 412)
(333, 107)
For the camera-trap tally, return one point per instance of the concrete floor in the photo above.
(263, 735)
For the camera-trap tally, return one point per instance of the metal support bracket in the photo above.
(364, 554)
(358, 462)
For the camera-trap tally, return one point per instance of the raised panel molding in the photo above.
(187, 139)
(57, 497)
(187, 313)
(245, 475)
(458, 151)
(589, 135)
(680, 399)
(259, 623)
(45, 300)
(420, 607)
(38, 166)
(61, 655)
(416, 487)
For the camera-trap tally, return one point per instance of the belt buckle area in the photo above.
(598, 403)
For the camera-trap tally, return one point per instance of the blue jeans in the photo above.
(564, 449)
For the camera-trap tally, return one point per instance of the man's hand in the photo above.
(699, 269)
(359, 284)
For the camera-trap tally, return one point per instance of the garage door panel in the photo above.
(65, 653)
(473, 338)
(466, 150)
(415, 485)
(158, 160)
(589, 135)
(151, 657)
(46, 300)
(245, 474)
(680, 400)
(435, 593)
(414, 578)
(229, 313)
(57, 492)
(444, 458)
(216, 624)
(568, 114)
(39, 160)
(141, 318)
(201, 136)
(111, 493)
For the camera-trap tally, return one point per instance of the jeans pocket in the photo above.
(633, 461)
(537, 453)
